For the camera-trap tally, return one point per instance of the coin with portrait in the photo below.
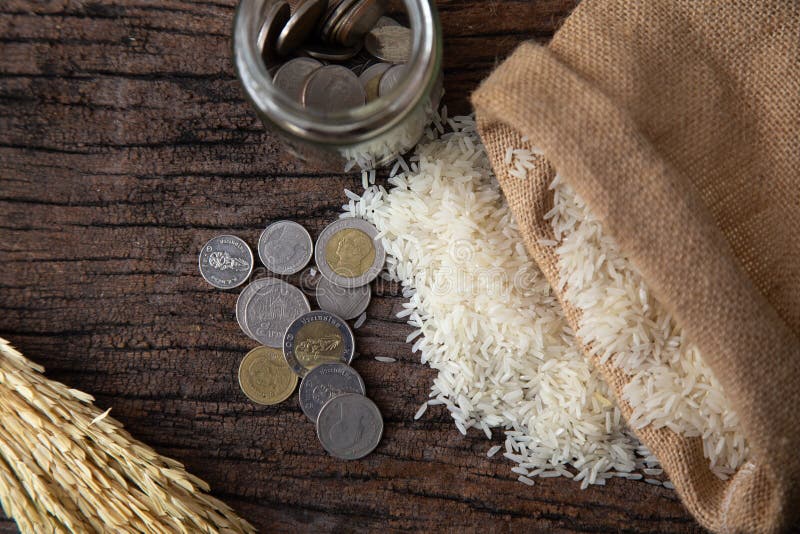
(347, 253)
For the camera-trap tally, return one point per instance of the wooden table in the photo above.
(126, 143)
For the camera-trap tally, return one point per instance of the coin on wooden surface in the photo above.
(226, 261)
(271, 308)
(333, 88)
(347, 253)
(389, 43)
(275, 20)
(347, 303)
(349, 426)
(358, 21)
(317, 337)
(324, 382)
(300, 25)
(265, 377)
(391, 79)
(291, 76)
(285, 246)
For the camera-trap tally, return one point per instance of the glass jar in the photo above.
(363, 137)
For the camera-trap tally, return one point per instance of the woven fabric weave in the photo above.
(678, 122)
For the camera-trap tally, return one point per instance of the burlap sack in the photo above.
(678, 122)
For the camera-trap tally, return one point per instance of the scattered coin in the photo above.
(333, 88)
(274, 21)
(285, 246)
(347, 303)
(349, 426)
(226, 261)
(291, 76)
(300, 25)
(317, 337)
(389, 43)
(358, 21)
(391, 79)
(371, 78)
(324, 382)
(347, 253)
(265, 377)
(270, 309)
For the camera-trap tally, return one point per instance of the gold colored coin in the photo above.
(350, 252)
(318, 342)
(265, 377)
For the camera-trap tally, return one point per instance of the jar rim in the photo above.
(342, 127)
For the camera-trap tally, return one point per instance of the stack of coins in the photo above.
(317, 52)
(297, 342)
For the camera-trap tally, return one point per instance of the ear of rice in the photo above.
(67, 466)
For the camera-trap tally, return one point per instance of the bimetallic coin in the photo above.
(330, 53)
(349, 426)
(391, 79)
(371, 78)
(317, 337)
(358, 21)
(226, 261)
(270, 310)
(325, 382)
(389, 43)
(291, 76)
(274, 21)
(347, 253)
(333, 88)
(300, 25)
(347, 303)
(264, 376)
(284, 246)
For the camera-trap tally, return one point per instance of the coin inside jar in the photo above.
(324, 382)
(347, 253)
(347, 303)
(349, 426)
(317, 337)
(359, 20)
(225, 261)
(291, 76)
(330, 53)
(275, 20)
(371, 77)
(300, 25)
(389, 43)
(264, 376)
(285, 246)
(391, 79)
(333, 88)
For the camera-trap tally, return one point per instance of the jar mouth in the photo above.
(342, 127)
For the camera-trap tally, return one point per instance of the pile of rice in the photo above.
(486, 319)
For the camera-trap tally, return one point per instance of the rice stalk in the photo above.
(67, 466)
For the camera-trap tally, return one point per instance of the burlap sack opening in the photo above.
(679, 124)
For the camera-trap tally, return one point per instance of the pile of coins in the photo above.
(316, 52)
(296, 341)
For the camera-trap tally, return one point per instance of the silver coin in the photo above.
(325, 382)
(343, 257)
(330, 53)
(359, 20)
(244, 297)
(391, 79)
(386, 21)
(300, 25)
(315, 338)
(389, 43)
(349, 426)
(371, 78)
(285, 247)
(275, 20)
(291, 77)
(271, 308)
(226, 261)
(347, 303)
(333, 88)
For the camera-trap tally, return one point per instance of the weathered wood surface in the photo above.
(125, 143)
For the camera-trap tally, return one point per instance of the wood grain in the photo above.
(125, 144)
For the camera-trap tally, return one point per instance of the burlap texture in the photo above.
(678, 122)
